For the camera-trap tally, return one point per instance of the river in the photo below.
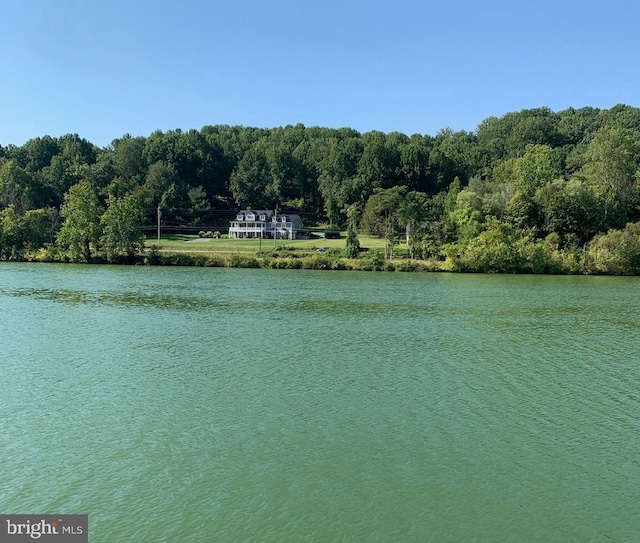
(214, 404)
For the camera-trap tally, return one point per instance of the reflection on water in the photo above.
(177, 404)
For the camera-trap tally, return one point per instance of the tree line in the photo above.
(534, 190)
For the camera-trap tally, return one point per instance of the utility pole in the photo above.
(159, 225)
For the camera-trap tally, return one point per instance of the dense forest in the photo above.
(531, 191)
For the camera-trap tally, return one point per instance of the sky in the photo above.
(105, 68)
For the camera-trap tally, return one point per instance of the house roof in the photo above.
(268, 213)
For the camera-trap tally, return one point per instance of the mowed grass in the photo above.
(193, 244)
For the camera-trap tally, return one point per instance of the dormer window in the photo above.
(263, 217)
(240, 217)
(251, 216)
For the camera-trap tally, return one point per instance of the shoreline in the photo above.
(365, 262)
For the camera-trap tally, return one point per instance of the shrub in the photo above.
(316, 262)
(181, 259)
(214, 262)
(201, 234)
(48, 253)
(376, 260)
(332, 234)
(152, 258)
(242, 261)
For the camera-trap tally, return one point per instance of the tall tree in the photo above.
(414, 210)
(538, 166)
(80, 232)
(16, 187)
(613, 158)
(121, 222)
(381, 215)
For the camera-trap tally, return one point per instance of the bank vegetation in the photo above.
(534, 191)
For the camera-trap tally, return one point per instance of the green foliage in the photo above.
(81, 229)
(568, 208)
(572, 175)
(11, 234)
(538, 166)
(243, 261)
(383, 216)
(121, 222)
(16, 187)
(468, 215)
(152, 258)
(617, 252)
(352, 246)
(496, 249)
(452, 195)
(613, 159)
(522, 211)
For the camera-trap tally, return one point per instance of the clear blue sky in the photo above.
(103, 68)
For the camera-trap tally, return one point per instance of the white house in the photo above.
(251, 223)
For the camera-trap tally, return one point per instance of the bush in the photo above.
(375, 260)
(214, 262)
(332, 234)
(180, 259)
(48, 253)
(153, 257)
(316, 262)
(201, 234)
(242, 261)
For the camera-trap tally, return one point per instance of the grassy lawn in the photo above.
(186, 243)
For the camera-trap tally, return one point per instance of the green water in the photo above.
(191, 404)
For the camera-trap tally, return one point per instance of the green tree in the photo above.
(60, 175)
(613, 158)
(617, 252)
(11, 234)
(339, 183)
(499, 248)
(81, 228)
(568, 208)
(352, 246)
(249, 181)
(381, 215)
(414, 169)
(40, 227)
(40, 151)
(121, 223)
(159, 179)
(16, 187)
(128, 156)
(538, 166)
(414, 210)
(452, 195)
(468, 216)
